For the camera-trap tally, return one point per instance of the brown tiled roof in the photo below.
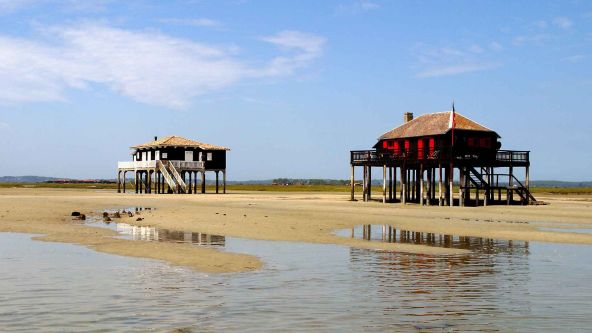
(433, 124)
(178, 141)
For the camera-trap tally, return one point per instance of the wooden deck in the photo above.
(429, 178)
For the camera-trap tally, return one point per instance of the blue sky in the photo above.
(289, 86)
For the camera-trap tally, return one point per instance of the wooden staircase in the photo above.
(484, 180)
(172, 176)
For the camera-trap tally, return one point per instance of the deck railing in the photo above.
(439, 154)
(180, 165)
(512, 156)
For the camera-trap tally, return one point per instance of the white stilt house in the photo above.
(172, 165)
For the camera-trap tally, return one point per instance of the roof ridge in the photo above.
(431, 124)
(175, 140)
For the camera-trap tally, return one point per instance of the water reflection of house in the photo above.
(146, 233)
(442, 292)
(390, 234)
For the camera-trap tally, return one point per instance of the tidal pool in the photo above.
(55, 287)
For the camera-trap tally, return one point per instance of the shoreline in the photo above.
(277, 216)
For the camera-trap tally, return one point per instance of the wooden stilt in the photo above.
(417, 186)
(390, 184)
(440, 201)
(352, 183)
(189, 187)
(369, 191)
(136, 180)
(408, 185)
(364, 180)
(461, 187)
(421, 190)
(487, 190)
(413, 187)
(527, 183)
(510, 185)
(224, 181)
(394, 183)
(430, 187)
(118, 181)
(203, 182)
(217, 181)
(150, 174)
(124, 181)
(403, 190)
(384, 184)
(451, 180)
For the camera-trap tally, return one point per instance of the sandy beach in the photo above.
(300, 217)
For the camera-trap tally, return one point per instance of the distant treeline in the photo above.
(276, 181)
(291, 181)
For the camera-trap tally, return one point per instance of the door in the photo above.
(189, 155)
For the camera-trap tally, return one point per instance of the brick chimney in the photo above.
(407, 117)
(156, 138)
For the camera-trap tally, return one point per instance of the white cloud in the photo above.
(495, 46)
(148, 67)
(445, 61)
(4, 127)
(196, 22)
(541, 24)
(562, 22)
(307, 47)
(454, 70)
(537, 39)
(575, 58)
(476, 48)
(356, 7)
(9, 6)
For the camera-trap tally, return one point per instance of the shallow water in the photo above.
(574, 230)
(537, 287)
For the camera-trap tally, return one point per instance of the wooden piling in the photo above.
(352, 183)
(217, 185)
(440, 201)
(384, 184)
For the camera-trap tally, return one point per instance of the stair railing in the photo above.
(178, 177)
(167, 176)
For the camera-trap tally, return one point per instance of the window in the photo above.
(164, 155)
(209, 156)
(189, 155)
(485, 143)
(420, 149)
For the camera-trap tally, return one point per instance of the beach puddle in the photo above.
(390, 234)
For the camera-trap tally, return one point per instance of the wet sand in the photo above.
(303, 217)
